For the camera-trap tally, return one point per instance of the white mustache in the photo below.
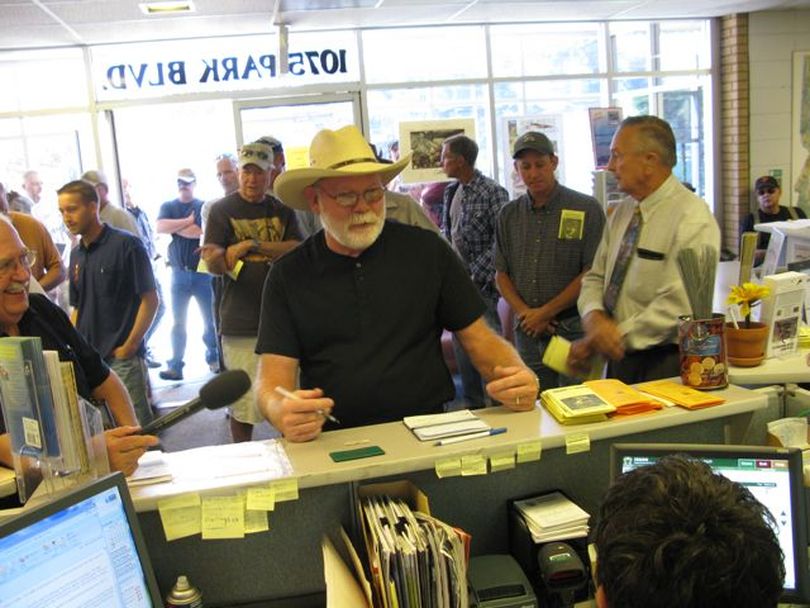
(369, 217)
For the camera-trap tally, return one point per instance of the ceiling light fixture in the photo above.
(166, 7)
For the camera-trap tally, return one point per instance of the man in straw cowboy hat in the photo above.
(359, 307)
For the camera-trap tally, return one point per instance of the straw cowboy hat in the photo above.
(341, 153)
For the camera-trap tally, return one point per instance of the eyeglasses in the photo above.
(762, 191)
(350, 199)
(26, 260)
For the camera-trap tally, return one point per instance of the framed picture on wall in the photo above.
(424, 140)
(604, 124)
(800, 134)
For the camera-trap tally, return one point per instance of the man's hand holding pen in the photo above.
(301, 414)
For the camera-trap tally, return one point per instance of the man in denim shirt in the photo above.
(469, 213)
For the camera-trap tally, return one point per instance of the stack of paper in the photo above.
(624, 398)
(415, 559)
(152, 468)
(576, 404)
(553, 517)
(682, 395)
(438, 426)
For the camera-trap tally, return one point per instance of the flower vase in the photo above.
(746, 345)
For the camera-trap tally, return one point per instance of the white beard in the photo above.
(355, 239)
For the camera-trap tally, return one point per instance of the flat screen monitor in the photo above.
(773, 475)
(84, 548)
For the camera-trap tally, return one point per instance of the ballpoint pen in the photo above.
(478, 435)
(290, 395)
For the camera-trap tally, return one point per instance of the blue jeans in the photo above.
(185, 284)
(472, 383)
(158, 314)
(132, 372)
(531, 351)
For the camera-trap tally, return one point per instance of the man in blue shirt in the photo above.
(112, 290)
(469, 216)
(181, 218)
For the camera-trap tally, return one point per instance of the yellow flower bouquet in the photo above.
(746, 296)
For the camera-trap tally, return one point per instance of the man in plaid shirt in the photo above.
(469, 216)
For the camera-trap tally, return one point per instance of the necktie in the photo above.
(626, 250)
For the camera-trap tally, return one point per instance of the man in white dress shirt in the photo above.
(634, 322)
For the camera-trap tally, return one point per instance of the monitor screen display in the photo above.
(82, 549)
(773, 475)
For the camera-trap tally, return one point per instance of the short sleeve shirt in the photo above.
(183, 251)
(107, 280)
(367, 330)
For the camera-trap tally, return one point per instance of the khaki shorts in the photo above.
(239, 353)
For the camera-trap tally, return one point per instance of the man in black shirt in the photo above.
(359, 307)
(768, 194)
(22, 314)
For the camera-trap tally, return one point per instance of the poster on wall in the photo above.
(548, 124)
(604, 124)
(424, 140)
(800, 144)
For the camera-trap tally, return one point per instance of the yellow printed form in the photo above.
(180, 516)
(473, 464)
(261, 499)
(286, 489)
(572, 225)
(223, 517)
(448, 467)
(501, 462)
(528, 452)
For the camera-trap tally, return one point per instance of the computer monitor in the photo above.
(773, 475)
(83, 548)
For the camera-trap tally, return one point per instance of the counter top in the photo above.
(404, 453)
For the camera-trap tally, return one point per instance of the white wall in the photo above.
(773, 36)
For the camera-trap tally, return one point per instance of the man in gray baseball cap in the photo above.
(545, 240)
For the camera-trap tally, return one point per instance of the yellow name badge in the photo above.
(572, 225)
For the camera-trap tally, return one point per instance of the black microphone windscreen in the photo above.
(225, 388)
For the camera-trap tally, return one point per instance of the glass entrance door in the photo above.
(295, 121)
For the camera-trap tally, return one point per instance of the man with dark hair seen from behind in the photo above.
(675, 535)
(469, 215)
(633, 294)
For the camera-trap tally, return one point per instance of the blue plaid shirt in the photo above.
(482, 199)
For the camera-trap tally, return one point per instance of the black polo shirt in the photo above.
(46, 320)
(367, 330)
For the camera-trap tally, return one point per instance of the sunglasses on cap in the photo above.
(257, 153)
(762, 191)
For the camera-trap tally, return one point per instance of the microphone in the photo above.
(218, 392)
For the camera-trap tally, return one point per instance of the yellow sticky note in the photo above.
(261, 499)
(473, 464)
(256, 521)
(286, 489)
(237, 268)
(501, 462)
(577, 442)
(528, 452)
(223, 517)
(448, 467)
(180, 516)
(571, 224)
(202, 266)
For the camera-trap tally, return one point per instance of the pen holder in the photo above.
(702, 347)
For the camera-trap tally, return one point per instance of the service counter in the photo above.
(283, 567)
